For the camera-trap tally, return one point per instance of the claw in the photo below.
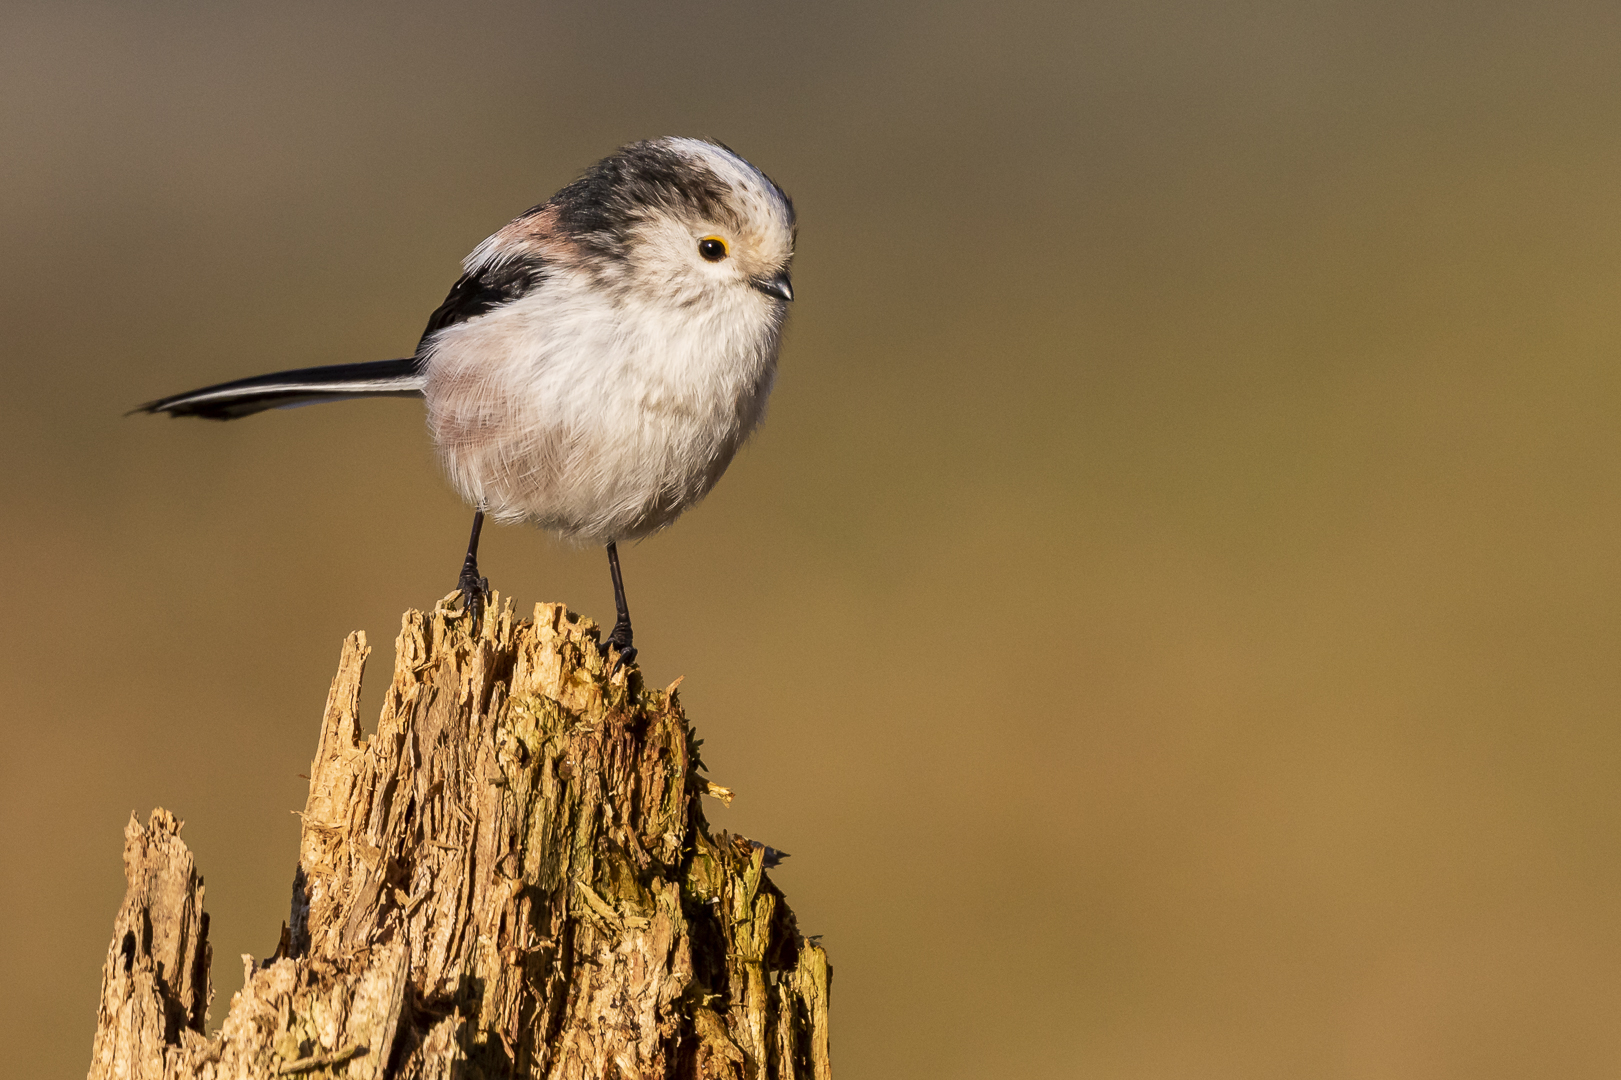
(474, 591)
(474, 588)
(620, 639)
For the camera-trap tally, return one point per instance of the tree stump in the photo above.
(512, 878)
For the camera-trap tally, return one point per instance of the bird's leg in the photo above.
(474, 588)
(620, 638)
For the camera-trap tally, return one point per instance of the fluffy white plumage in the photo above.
(612, 395)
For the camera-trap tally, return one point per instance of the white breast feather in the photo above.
(598, 421)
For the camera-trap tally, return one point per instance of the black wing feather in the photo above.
(484, 290)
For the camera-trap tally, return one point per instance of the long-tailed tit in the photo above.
(601, 358)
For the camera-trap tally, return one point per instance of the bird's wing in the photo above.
(483, 288)
(244, 397)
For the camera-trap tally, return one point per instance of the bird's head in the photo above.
(684, 222)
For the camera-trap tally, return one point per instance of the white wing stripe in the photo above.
(359, 386)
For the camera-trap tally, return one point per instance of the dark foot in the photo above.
(620, 639)
(474, 589)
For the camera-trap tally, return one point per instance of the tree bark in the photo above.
(512, 878)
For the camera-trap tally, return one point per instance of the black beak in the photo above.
(778, 286)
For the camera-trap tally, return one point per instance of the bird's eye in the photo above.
(712, 248)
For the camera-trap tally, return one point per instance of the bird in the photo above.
(600, 360)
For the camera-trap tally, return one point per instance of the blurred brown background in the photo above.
(1172, 614)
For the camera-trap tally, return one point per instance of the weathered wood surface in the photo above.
(511, 878)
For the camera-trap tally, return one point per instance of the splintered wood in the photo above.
(511, 878)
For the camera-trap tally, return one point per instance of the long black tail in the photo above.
(244, 397)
